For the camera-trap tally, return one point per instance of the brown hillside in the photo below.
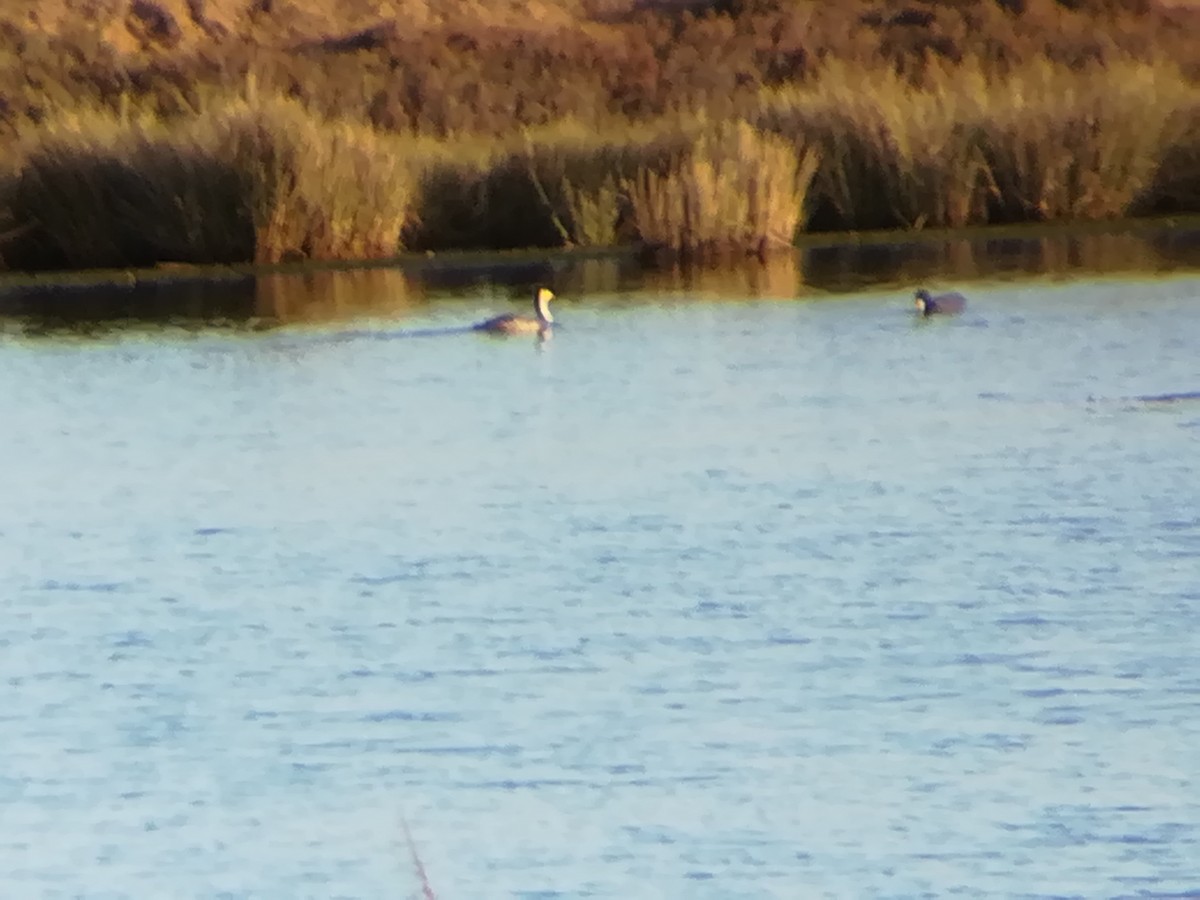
(484, 65)
(135, 26)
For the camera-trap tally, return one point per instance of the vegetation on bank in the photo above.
(725, 128)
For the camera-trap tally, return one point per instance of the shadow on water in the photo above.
(255, 301)
(86, 308)
(258, 301)
(1180, 397)
(202, 299)
(848, 268)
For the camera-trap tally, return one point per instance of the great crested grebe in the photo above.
(933, 304)
(511, 323)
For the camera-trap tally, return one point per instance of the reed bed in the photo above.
(969, 146)
(561, 184)
(258, 180)
(1061, 145)
(735, 190)
(256, 176)
(892, 155)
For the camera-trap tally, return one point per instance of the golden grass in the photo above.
(96, 190)
(681, 184)
(967, 145)
(582, 173)
(555, 185)
(254, 176)
(314, 189)
(892, 154)
(734, 190)
(1063, 145)
(577, 170)
(248, 179)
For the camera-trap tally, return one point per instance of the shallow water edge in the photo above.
(1181, 225)
(264, 297)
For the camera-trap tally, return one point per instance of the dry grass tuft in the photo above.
(734, 190)
(972, 145)
(98, 190)
(313, 188)
(892, 154)
(1063, 145)
(248, 180)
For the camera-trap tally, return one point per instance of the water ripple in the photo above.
(695, 601)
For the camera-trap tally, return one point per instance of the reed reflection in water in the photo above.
(325, 296)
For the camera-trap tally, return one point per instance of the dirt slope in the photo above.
(133, 26)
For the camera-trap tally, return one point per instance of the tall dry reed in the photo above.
(555, 185)
(102, 190)
(315, 189)
(254, 177)
(892, 155)
(970, 145)
(1064, 145)
(582, 172)
(249, 179)
(734, 190)
(576, 169)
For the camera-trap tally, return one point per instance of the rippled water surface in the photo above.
(717, 593)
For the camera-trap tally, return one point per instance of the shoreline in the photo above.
(465, 260)
(497, 263)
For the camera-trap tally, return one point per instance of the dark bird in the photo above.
(511, 323)
(939, 304)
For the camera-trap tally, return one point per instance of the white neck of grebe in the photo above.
(541, 304)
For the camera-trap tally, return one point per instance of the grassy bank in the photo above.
(727, 131)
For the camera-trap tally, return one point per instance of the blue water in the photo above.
(708, 596)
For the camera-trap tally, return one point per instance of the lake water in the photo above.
(746, 584)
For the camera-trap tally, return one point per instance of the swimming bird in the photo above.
(947, 304)
(510, 323)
